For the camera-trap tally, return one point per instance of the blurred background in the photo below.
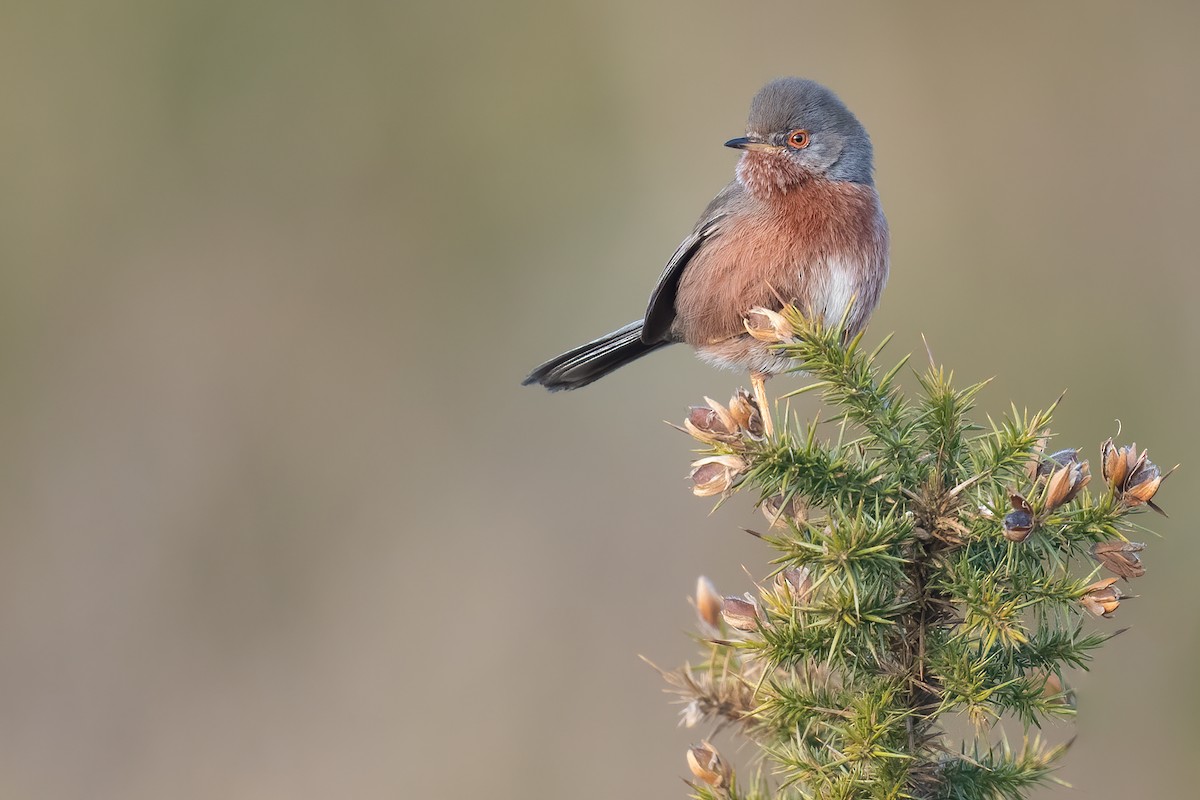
(277, 519)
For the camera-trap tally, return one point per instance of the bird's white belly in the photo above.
(840, 289)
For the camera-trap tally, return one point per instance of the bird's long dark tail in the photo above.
(594, 360)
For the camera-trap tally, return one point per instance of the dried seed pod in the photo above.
(796, 582)
(740, 614)
(778, 513)
(1133, 478)
(1120, 558)
(1066, 482)
(707, 765)
(1102, 598)
(1143, 483)
(746, 414)
(768, 326)
(1054, 461)
(1118, 463)
(711, 424)
(1019, 523)
(1055, 692)
(708, 603)
(716, 474)
(1017, 526)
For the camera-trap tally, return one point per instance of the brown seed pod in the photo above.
(740, 614)
(768, 326)
(707, 765)
(1120, 558)
(716, 474)
(1102, 598)
(1019, 523)
(1066, 482)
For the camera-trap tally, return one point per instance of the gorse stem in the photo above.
(925, 567)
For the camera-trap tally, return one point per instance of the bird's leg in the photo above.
(759, 381)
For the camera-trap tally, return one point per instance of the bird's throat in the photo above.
(770, 175)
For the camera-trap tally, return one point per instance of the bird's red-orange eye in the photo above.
(798, 139)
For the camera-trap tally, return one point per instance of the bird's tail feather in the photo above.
(594, 360)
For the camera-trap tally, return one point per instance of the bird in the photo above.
(800, 224)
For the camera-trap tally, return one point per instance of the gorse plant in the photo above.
(926, 568)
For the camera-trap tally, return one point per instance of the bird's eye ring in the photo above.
(798, 139)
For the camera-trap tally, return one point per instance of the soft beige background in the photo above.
(277, 520)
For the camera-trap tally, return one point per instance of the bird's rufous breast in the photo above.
(818, 246)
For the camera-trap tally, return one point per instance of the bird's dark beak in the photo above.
(750, 143)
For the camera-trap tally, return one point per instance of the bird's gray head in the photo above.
(798, 129)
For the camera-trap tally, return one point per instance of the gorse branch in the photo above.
(926, 566)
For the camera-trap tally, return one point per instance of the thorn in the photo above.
(750, 575)
(653, 666)
(954, 492)
(778, 296)
(846, 314)
(928, 352)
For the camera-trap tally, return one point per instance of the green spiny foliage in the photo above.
(926, 567)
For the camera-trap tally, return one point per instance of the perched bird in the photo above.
(800, 224)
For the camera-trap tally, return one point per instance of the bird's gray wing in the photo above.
(660, 313)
